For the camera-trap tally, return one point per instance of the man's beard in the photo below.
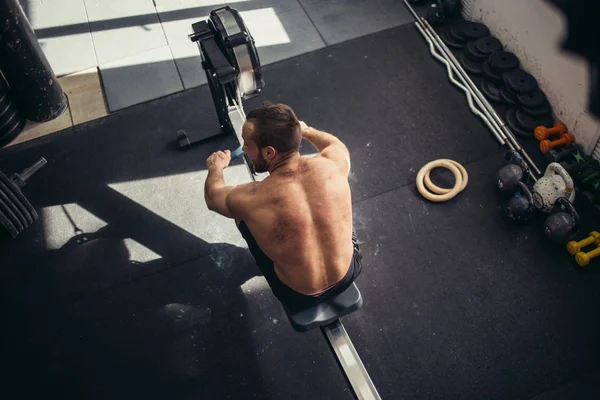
(260, 164)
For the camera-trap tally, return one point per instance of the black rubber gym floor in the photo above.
(157, 298)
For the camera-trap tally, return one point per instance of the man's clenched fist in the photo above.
(218, 160)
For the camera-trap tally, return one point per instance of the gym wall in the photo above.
(533, 30)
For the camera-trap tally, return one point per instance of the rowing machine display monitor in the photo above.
(232, 67)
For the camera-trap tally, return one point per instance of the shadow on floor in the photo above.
(159, 332)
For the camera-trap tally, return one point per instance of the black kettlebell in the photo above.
(510, 175)
(452, 8)
(563, 224)
(520, 206)
(436, 12)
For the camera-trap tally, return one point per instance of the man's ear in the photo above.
(270, 152)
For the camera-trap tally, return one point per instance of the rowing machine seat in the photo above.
(333, 308)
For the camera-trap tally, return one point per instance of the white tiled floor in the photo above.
(123, 28)
(64, 36)
(142, 46)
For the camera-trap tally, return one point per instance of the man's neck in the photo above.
(284, 163)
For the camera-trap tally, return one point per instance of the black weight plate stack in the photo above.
(11, 121)
(451, 36)
(535, 104)
(513, 125)
(488, 45)
(502, 61)
(533, 99)
(8, 226)
(7, 210)
(472, 67)
(490, 74)
(539, 112)
(508, 96)
(529, 122)
(22, 201)
(519, 81)
(491, 91)
(19, 220)
(474, 54)
(11, 196)
(473, 30)
(456, 33)
(449, 40)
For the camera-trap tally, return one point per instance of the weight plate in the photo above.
(16, 202)
(474, 54)
(508, 96)
(534, 99)
(488, 45)
(519, 81)
(456, 34)
(544, 110)
(491, 90)
(21, 198)
(9, 213)
(501, 61)
(22, 221)
(449, 40)
(469, 65)
(490, 74)
(473, 30)
(511, 121)
(529, 122)
(8, 226)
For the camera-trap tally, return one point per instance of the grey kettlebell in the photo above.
(509, 176)
(563, 224)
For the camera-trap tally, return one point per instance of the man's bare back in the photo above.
(298, 221)
(301, 217)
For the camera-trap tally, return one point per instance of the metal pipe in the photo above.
(449, 68)
(349, 361)
(429, 34)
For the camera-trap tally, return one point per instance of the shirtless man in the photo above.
(298, 221)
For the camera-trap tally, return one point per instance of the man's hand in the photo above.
(303, 127)
(219, 160)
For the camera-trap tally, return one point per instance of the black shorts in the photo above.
(296, 301)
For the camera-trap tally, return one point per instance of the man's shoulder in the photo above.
(242, 196)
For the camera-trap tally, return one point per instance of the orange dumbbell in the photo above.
(542, 133)
(547, 145)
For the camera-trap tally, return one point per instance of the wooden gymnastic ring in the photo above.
(439, 197)
(439, 190)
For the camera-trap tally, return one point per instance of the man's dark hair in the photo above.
(276, 125)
